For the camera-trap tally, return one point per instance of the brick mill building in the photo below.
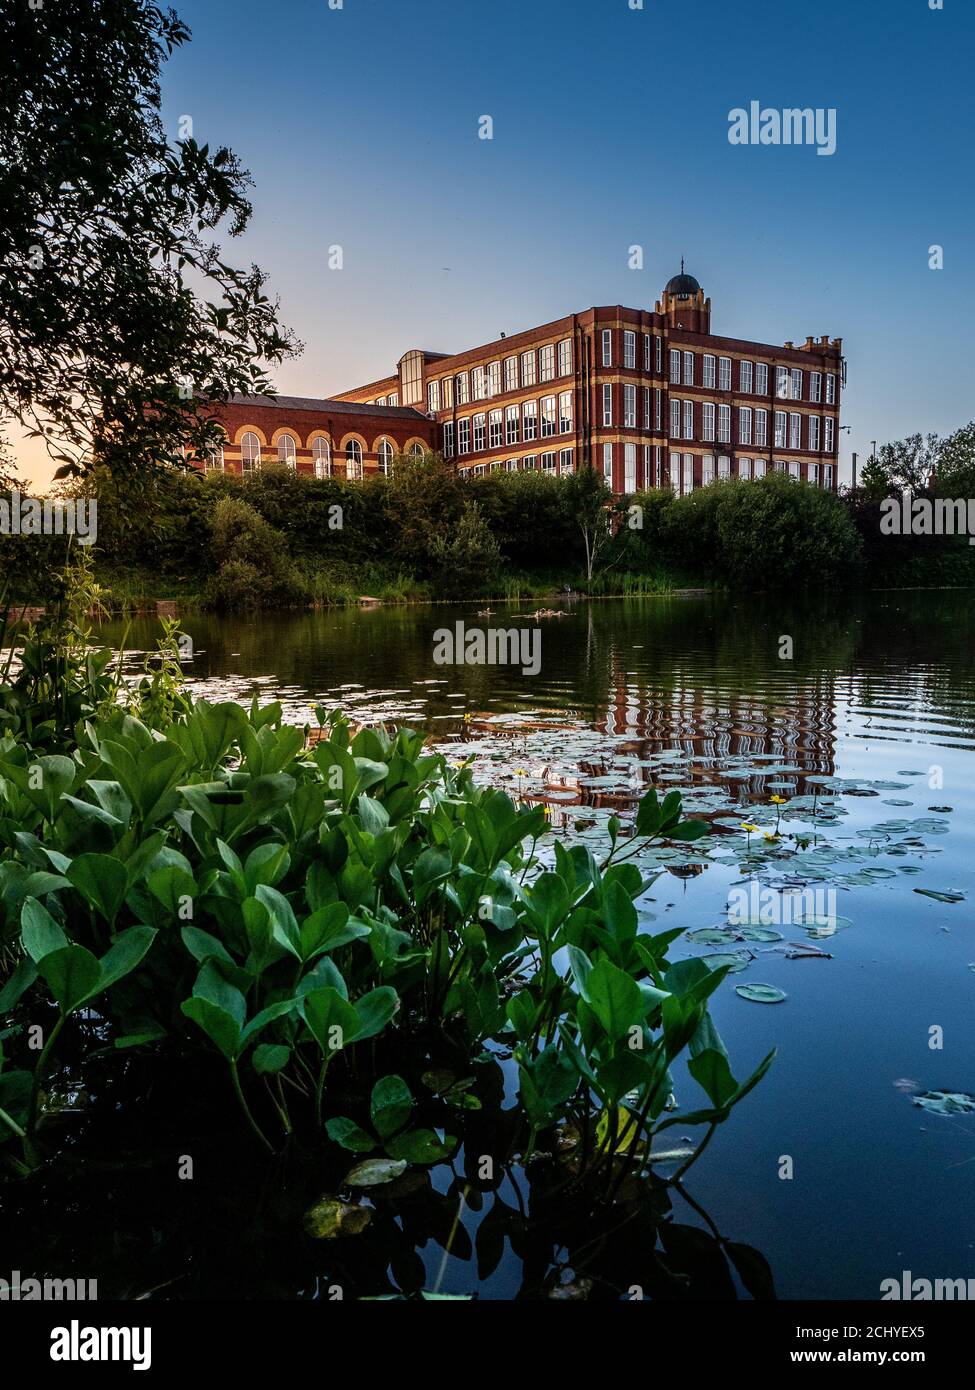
(649, 399)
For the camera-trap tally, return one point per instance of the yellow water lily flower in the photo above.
(747, 825)
(779, 800)
(767, 836)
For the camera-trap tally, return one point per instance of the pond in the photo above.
(853, 892)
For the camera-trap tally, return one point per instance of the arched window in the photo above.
(322, 454)
(286, 450)
(353, 459)
(385, 455)
(250, 453)
(416, 450)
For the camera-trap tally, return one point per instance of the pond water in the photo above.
(860, 714)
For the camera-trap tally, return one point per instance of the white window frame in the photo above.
(629, 406)
(746, 376)
(707, 421)
(629, 349)
(528, 368)
(688, 369)
(607, 347)
(744, 424)
(724, 373)
(529, 421)
(688, 419)
(724, 424)
(546, 362)
(607, 404)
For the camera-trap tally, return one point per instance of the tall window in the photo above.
(761, 427)
(629, 348)
(745, 469)
(528, 368)
(511, 374)
(660, 355)
(511, 424)
(463, 395)
(495, 429)
(250, 453)
(674, 367)
(724, 466)
(608, 464)
(709, 365)
(607, 347)
(494, 378)
(707, 420)
(688, 419)
(830, 445)
(827, 475)
(744, 424)
(629, 468)
(759, 468)
(548, 462)
(795, 431)
(724, 424)
(674, 419)
(688, 473)
(286, 450)
(385, 455)
(707, 469)
(658, 405)
(548, 416)
(447, 386)
(780, 428)
(814, 431)
(565, 357)
(353, 459)
(647, 353)
(688, 369)
(816, 386)
(565, 461)
(761, 379)
(607, 404)
(724, 373)
(529, 416)
(646, 407)
(321, 452)
(745, 374)
(565, 412)
(629, 407)
(782, 383)
(433, 395)
(675, 472)
(448, 439)
(830, 389)
(814, 474)
(797, 383)
(478, 384)
(546, 362)
(464, 436)
(479, 422)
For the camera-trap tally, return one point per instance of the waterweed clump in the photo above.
(182, 876)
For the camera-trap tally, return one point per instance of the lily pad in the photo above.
(331, 1218)
(945, 1102)
(761, 994)
(375, 1171)
(712, 936)
(759, 934)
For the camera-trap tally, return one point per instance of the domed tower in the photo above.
(683, 303)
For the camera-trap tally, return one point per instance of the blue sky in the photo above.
(360, 127)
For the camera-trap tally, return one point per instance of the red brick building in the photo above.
(648, 398)
(324, 437)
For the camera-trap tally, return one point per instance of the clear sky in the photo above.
(360, 127)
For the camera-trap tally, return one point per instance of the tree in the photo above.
(955, 470)
(424, 502)
(875, 481)
(588, 502)
(468, 558)
(107, 351)
(908, 463)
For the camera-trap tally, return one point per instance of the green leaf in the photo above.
(347, 1133)
(761, 994)
(102, 881)
(125, 953)
(391, 1105)
(374, 1010)
(219, 1026)
(421, 1146)
(332, 1020)
(73, 975)
(39, 934)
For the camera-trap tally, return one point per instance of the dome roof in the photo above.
(682, 284)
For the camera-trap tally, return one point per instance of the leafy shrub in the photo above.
(308, 916)
(466, 562)
(254, 570)
(775, 531)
